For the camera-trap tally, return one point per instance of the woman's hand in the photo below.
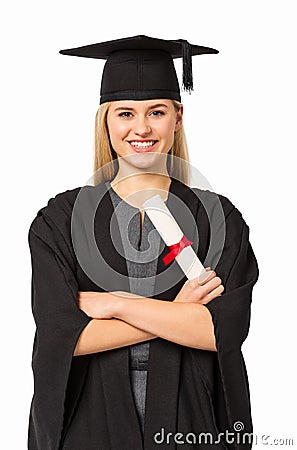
(202, 289)
(98, 305)
(102, 305)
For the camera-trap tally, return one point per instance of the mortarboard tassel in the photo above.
(187, 66)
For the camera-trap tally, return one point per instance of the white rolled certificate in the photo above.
(171, 234)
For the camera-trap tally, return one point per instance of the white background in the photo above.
(241, 128)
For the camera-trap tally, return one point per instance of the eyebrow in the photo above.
(128, 108)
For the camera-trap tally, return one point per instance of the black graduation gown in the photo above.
(85, 402)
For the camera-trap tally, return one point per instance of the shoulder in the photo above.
(207, 205)
(219, 209)
(56, 214)
(210, 198)
(229, 232)
(61, 202)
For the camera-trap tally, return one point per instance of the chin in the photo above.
(145, 160)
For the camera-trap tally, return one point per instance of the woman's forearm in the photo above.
(188, 324)
(106, 334)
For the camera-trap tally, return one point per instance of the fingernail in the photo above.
(204, 276)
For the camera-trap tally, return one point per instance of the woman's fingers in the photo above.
(208, 286)
(205, 277)
(202, 280)
(213, 294)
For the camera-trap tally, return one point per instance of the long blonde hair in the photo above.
(105, 158)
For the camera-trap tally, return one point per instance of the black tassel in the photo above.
(187, 66)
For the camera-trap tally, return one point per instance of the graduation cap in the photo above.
(141, 67)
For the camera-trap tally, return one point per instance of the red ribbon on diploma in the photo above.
(175, 249)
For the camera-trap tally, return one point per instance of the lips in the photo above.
(143, 146)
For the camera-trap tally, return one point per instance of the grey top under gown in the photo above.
(142, 257)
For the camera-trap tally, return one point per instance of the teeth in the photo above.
(142, 144)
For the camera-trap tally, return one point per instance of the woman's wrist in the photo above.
(119, 302)
(116, 305)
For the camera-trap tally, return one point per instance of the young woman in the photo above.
(129, 354)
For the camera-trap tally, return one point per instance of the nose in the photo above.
(142, 126)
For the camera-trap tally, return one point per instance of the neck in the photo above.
(139, 187)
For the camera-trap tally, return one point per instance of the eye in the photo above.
(125, 114)
(157, 113)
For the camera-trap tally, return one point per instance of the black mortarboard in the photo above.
(141, 67)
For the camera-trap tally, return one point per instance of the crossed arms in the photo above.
(120, 319)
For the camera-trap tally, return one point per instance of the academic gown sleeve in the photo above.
(238, 269)
(58, 319)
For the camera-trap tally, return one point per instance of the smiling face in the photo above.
(145, 126)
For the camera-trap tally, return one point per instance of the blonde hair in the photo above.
(105, 158)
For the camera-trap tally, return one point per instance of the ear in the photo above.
(179, 119)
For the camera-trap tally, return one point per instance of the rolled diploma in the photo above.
(171, 233)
